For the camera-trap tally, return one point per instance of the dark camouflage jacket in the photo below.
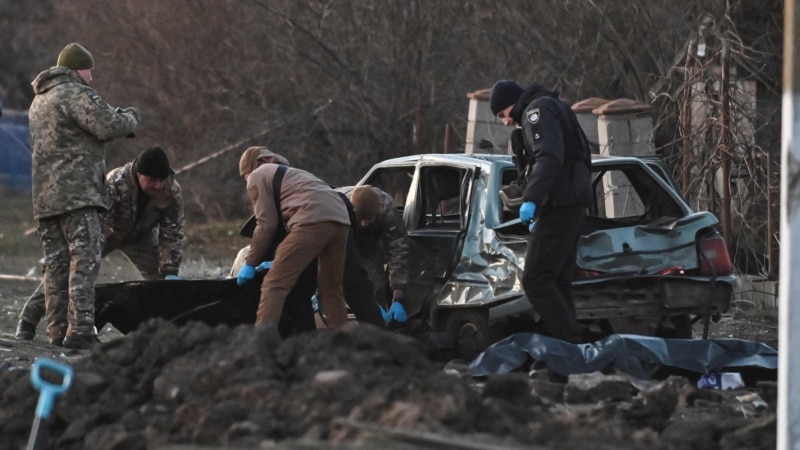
(162, 219)
(384, 241)
(70, 125)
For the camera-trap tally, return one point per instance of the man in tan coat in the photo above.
(316, 220)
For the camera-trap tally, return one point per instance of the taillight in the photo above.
(676, 270)
(713, 255)
(583, 273)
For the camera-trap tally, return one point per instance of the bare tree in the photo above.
(336, 85)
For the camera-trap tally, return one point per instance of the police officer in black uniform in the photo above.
(556, 194)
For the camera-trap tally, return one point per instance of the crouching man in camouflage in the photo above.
(145, 222)
(70, 125)
(382, 243)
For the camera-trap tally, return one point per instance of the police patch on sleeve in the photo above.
(97, 100)
(533, 115)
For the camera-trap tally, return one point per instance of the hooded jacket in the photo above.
(304, 199)
(70, 125)
(560, 168)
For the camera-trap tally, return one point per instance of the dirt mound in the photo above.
(360, 386)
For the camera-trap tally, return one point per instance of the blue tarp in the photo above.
(15, 151)
(642, 357)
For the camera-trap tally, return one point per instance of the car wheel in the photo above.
(680, 328)
(470, 331)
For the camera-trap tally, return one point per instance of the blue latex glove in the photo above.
(264, 266)
(526, 212)
(171, 277)
(246, 274)
(386, 317)
(397, 313)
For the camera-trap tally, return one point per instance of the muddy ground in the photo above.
(358, 387)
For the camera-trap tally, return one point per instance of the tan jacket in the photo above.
(304, 198)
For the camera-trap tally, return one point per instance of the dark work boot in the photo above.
(56, 340)
(25, 330)
(81, 341)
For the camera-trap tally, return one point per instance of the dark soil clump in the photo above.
(358, 387)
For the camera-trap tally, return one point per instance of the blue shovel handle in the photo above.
(49, 391)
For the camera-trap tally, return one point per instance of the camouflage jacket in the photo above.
(70, 125)
(384, 241)
(162, 219)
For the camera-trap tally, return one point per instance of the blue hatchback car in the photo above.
(647, 263)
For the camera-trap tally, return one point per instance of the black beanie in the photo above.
(504, 94)
(153, 162)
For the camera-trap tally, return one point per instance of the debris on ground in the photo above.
(360, 387)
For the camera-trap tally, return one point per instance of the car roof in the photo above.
(472, 158)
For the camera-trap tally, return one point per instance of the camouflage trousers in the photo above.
(143, 255)
(72, 244)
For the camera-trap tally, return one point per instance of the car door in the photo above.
(434, 199)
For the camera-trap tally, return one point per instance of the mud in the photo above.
(358, 387)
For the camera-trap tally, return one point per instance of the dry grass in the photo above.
(20, 247)
(209, 250)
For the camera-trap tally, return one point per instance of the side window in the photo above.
(442, 198)
(630, 195)
(395, 181)
(616, 197)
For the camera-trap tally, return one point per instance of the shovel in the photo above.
(47, 395)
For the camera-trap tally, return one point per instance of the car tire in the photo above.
(469, 330)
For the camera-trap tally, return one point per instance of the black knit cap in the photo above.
(504, 94)
(153, 162)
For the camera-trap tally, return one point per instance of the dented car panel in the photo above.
(638, 255)
(644, 249)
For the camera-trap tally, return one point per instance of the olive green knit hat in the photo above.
(75, 57)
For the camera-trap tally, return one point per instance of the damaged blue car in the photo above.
(647, 263)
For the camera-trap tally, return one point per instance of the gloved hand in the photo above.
(171, 277)
(246, 274)
(526, 212)
(264, 266)
(396, 312)
(129, 110)
(386, 317)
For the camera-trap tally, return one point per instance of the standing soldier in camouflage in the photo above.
(70, 125)
(145, 222)
(381, 241)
